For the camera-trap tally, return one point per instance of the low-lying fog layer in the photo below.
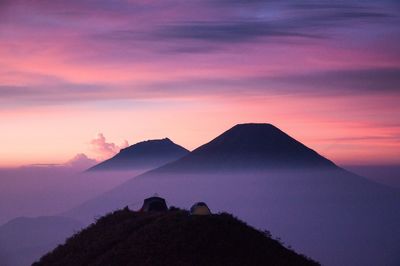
(384, 174)
(333, 216)
(31, 196)
(48, 190)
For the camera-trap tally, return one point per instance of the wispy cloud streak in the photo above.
(297, 60)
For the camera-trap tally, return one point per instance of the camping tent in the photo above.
(200, 208)
(154, 204)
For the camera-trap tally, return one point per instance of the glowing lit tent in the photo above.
(200, 208)
(154, 204)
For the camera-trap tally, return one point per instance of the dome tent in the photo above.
(154, 204)
(200, 208)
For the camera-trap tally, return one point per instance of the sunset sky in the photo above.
(85, 76)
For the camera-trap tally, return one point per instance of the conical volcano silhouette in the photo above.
(273, 181)
(255, 146)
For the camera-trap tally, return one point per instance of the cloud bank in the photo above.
(89, 50)
(104, 149)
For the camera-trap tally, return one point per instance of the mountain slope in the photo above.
(172, 238)
(250, 146)
(143, 155)
(324, 211)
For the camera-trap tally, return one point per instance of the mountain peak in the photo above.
(255, 129)
(144, 155)
(254, 125)
(148, 143)
(251, 145)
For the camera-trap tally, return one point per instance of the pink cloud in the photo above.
(104, 149)
(81, 161)
(203, 64)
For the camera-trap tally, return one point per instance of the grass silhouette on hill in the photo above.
(125, 237)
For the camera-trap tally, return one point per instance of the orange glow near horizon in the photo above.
(189, 72)
(56, 134)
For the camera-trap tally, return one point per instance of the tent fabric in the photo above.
(200, 208)
(154, 204)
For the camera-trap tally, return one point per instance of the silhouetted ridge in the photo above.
(144, 155)
(252, 146)
(171, 238)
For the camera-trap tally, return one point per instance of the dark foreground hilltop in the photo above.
(171, 238)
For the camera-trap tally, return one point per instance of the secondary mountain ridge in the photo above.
(143, 155)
